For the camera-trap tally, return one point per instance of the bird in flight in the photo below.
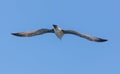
(59, 33)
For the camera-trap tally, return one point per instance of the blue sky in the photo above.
(46, 54)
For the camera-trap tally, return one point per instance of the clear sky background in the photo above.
(46, 54)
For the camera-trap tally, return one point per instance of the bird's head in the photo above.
(55, 26)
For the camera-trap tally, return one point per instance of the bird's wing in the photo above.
(33, 33)
(89, 37)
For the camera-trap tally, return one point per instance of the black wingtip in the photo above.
(16, 34)
(101, 40)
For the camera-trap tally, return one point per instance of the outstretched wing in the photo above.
(89, 37)
(33, 33)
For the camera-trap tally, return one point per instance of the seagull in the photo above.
(58, 32)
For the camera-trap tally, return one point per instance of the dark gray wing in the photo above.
(33, 33)
(89, 37)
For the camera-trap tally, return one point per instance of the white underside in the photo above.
(58, 32)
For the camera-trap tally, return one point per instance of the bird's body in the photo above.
(59, 33)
